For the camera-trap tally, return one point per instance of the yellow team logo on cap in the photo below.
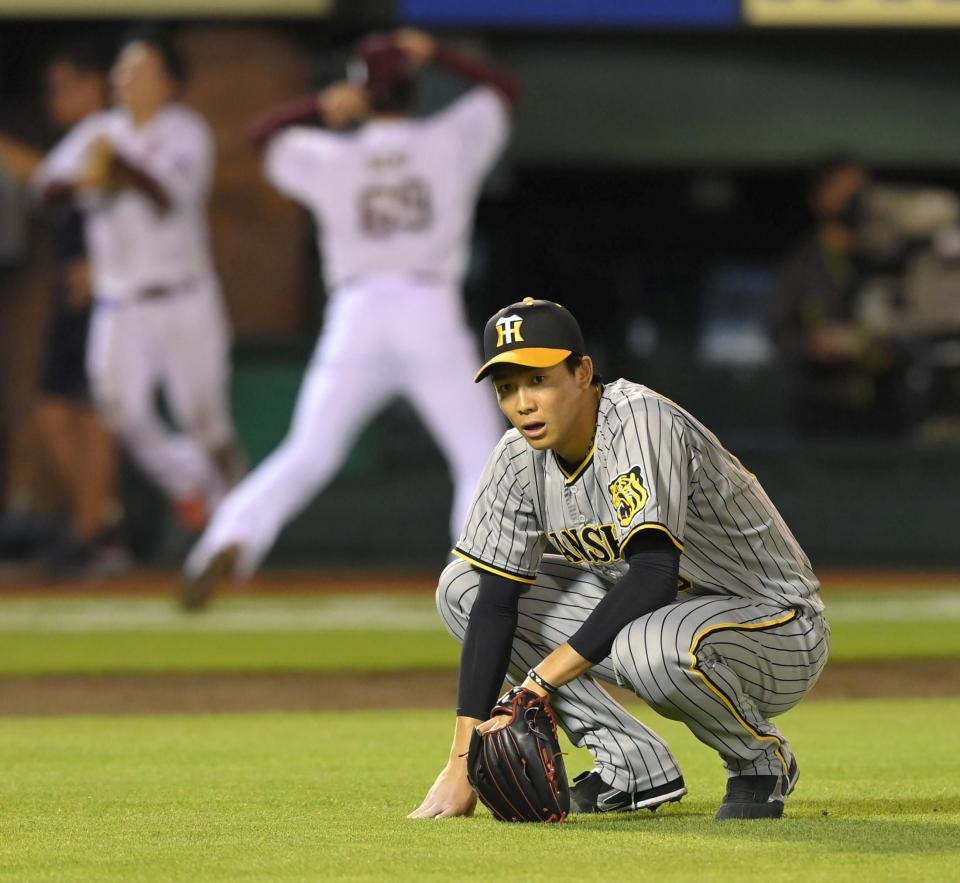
(628, 495)
(508, 330)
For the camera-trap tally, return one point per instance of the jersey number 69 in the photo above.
(403, 207)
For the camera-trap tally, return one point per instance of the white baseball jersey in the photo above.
(132, 244)
(398, 195)
(652, 467)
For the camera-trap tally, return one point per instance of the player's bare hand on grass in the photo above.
(450, 796)
(420, 46)
(342, 104)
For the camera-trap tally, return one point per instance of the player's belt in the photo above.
(156, 292)
(427, 276)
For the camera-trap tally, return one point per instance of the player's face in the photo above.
(71, 94)
(551, 407)
(140, 79)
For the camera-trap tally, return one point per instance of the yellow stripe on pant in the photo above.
(757, 626)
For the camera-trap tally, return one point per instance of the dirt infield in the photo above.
(219, 693)
(16, 582)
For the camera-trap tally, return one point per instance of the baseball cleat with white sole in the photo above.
(590, 794)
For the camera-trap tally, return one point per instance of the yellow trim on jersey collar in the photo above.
(571, 477)
(495, 570)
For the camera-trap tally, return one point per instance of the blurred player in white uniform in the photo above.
(394, 201)
(141, 174)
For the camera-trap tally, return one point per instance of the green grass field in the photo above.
(323, 795)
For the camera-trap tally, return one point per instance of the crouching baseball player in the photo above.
(676, 577)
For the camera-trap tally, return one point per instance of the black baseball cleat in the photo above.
(758, 797)
(196, 591)
(590, 794)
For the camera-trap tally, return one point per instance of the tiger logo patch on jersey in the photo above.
(628, 495)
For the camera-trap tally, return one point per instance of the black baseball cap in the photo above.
(531, 333)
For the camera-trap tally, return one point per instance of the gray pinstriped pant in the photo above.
(721, 664)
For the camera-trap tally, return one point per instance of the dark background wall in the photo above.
(647, 167)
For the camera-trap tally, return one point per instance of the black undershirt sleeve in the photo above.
(486, 646)
(650, 583)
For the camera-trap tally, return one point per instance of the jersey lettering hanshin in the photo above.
(652, 467)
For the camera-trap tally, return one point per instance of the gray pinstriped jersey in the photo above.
(652, 467)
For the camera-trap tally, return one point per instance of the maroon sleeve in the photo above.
(480, 72)
(262, 128)
(126, 173)
(122, 173)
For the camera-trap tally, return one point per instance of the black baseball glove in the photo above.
(517, 771)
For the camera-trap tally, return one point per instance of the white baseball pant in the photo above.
(178, 341)
(384, 336)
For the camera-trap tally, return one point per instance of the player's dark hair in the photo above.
(399, 98)
(574, 360)
(161, 41)
(386, 72)
(86, 56)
